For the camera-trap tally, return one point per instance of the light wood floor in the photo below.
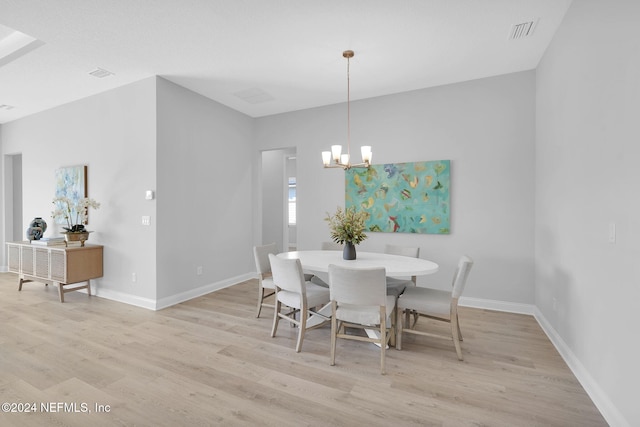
(210, 362)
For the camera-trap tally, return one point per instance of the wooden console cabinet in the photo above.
(57, 265)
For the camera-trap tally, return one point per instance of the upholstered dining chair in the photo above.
(434, 304)
(331, 246)
(359, 300)
(266, 288)
(321, 279)
(293, 291)
(397, 285)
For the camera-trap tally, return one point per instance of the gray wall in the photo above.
(204, 194)
(587, 150)
(485, 127)
(192, 152)
(114, 134)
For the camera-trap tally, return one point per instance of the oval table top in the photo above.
(395, 265)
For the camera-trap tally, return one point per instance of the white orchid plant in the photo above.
(75, 214)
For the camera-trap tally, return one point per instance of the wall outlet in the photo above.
(199, 270)
(555, 304)
(134, 277)
(146, 220)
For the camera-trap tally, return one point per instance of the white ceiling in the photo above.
(289, 52)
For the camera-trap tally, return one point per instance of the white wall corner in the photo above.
(608, 410)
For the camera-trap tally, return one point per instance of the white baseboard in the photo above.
(510, 307)
(151, 304)
(109, 294)
(202, 290)
(608, 410)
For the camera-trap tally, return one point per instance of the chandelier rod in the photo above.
(333, 158)
(348, 54)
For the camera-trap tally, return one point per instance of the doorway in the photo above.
(279, 198)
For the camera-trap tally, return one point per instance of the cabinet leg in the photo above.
(89, 287)
(61, 292)
(21, 281)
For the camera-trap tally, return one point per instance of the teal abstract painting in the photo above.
(402, 197)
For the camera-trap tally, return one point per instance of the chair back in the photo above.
(331, 246)
(460, 276)
(287, 274)
(261, 256)
(402, 250)
(358, 286)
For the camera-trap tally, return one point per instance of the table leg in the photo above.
(316, 320)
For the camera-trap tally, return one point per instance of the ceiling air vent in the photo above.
(254, 96)
(100, 73)
(520, 31)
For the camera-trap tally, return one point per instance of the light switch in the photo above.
(148, 195)
(146, 220)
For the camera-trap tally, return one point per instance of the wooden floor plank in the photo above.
(210, 361)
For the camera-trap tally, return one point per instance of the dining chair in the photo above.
(397, 285)
(434, 304)
(331, 246)
(359, 300)
(266, 288)
(301, 296)
(321, 279)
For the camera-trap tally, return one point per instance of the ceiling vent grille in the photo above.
(254, 96)
(520, 31)
(101, 73)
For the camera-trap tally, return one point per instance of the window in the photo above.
(292, 200)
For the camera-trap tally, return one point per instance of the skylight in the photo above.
(14, 44)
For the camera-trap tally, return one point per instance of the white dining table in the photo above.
(395, 265)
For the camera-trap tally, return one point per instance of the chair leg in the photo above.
(454, 334)
(302, 327)
(383, 338)
(399, 329)
(276, 318)
(459, 331)
(392, 318)
(260, 297)
(334, 333)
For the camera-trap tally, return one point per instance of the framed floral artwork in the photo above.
(71, 182)
(402, 197)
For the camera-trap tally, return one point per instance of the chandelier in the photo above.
(344, 160)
